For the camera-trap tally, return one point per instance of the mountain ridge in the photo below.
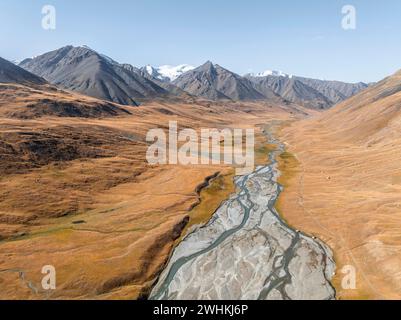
(311, 93)
(88, 72)
(211, 81)
(11, 73)
(83, 70)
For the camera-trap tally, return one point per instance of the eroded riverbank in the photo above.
(247, 252)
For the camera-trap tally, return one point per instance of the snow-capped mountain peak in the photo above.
(167, 72)
(272, 73)
(173, 72)
(149, 69)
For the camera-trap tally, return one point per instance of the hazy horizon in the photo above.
(304, 39)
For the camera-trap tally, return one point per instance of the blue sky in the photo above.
(298, 37)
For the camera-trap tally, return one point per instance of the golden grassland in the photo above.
(291, 206)
(342, 185)
(78, 194)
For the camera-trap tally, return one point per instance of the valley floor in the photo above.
(79, 196)
(247, 252)
(346, 193)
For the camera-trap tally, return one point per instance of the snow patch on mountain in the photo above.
(272, 73)
(150, 70)
(167, 72)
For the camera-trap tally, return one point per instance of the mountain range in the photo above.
(88, 72)
(85, 71)
(213, 82)
(311, 93)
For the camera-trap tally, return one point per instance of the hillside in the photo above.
(310, 93)
(346, 183)
(213, 82)
(85, 71)
(10, 73)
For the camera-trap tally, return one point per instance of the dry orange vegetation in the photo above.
(344, 186)
(77, 193)
(28, 102)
